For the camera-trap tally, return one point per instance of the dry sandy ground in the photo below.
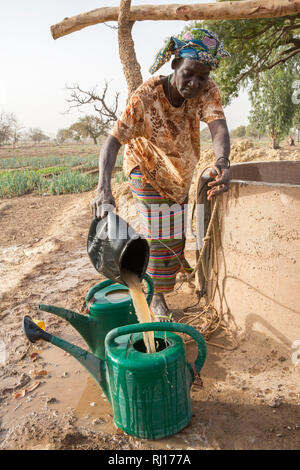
(250, 396)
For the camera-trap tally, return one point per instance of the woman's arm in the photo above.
(221, 142)
(104, 200)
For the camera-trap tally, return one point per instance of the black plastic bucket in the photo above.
(113, 246)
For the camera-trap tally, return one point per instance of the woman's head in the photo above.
(190, 77)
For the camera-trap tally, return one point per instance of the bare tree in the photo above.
(37, 135)
(8, 126)
(17, 133)
(79, 97)
(61, 136)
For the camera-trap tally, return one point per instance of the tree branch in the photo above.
(79, 97)
(249, 9)
(268, 26)
(131, 67)
(259, 64)
(281, 61)
(111, 27)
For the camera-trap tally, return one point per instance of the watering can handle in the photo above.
(109, 282)
(159, 326)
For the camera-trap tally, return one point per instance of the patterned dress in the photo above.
(161, 152)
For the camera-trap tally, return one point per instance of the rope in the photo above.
(209, 319)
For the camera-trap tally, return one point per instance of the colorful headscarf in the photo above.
(197, 44)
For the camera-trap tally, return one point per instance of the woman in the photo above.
(161, 129)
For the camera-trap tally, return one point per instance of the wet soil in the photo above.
(250, 398)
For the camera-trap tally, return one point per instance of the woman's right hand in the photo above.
(103, 203)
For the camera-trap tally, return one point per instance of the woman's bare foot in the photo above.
(160, 308)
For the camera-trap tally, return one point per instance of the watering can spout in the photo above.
(94, 365)
(81, 323)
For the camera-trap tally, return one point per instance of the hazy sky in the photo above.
(35, 68)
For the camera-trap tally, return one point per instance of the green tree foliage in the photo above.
(272, 103)
(71, 133)
(239, 132)
(90, 126)
(255, 46)
(252, 131)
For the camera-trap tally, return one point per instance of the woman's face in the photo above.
(190, 77)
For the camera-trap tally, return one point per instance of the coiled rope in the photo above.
(208, 319)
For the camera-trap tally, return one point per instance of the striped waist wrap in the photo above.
(162, 224)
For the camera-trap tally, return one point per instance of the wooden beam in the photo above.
(246, 9)
(131, 67)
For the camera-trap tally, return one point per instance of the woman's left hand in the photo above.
(220, 185)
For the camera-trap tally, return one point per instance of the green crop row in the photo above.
(68, 182)
(18, 183)
(119, 161)
(23, 182)
(49, 161)
(53, 170)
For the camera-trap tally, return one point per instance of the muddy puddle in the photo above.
(94, 406)
(94, 409)
(68, 389)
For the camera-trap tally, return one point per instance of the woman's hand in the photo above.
(220, 185)
(103, 203)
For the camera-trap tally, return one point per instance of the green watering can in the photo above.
(149, 393)
(108, 305)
